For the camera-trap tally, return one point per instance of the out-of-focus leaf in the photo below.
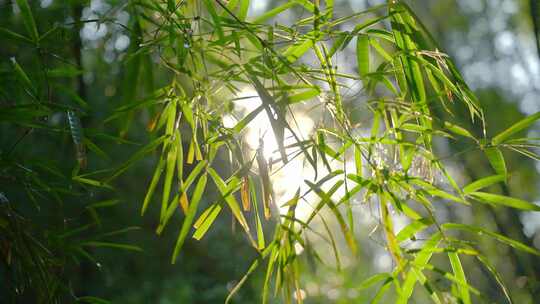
(28, 19)
(112, 245)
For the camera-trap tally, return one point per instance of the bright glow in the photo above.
(228, 121)
(286, 179)
(383, 261)
(298, 249)
(300, 294)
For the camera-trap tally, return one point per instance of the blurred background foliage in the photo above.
(72, 228)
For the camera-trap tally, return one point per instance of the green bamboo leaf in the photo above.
(381, 292)
(501, 238)
(483, 182)
(21, 74)
(297, 50)
(274, 12)
(190, 215)
(227, 191)
(261, 243)
(339, 43)
(193, 174)
(374, 279)
(421, 259)
(496, 275)
(216, 18)
(497, 199)
(95, 148)
(326, 198)
(414, 227)
(434, 191)
(515, 128)
(459, 273)
(251, 268)
(243, 11)
(153, 184)
(305, 95)
(204, 221)
(362, 54)
(28, 19)
(247, 119)
(358, 160)
(458, 130)
(137, 156)
(278, 10)
(14, 36)
(97, 244)
(92, 182)
(172, 206)
(104, 204)
(169, 174)
(496, 159)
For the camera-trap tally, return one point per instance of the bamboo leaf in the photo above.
(497, 199)
(515, 128)
(23, 77)
(226, 191)
(374, 279)
(422, 258)
(278, 10)
(28, 19)
(206, 219)
(92, 182)
(247, 119)
(297, 50)
(483, 182)
(153, 184)
(137, 156)
(411, 229)
(496, 159)
(14, 36)
(326, 199)
(216, 18)
(460, 276)
(190, 215)
(362, 54)
(111, 245)
(306, 95)
(501, 238)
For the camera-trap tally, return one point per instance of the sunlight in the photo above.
(286, 179)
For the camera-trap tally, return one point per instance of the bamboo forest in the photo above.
(270, 151)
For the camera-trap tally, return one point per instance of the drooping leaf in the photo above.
(190, 216)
